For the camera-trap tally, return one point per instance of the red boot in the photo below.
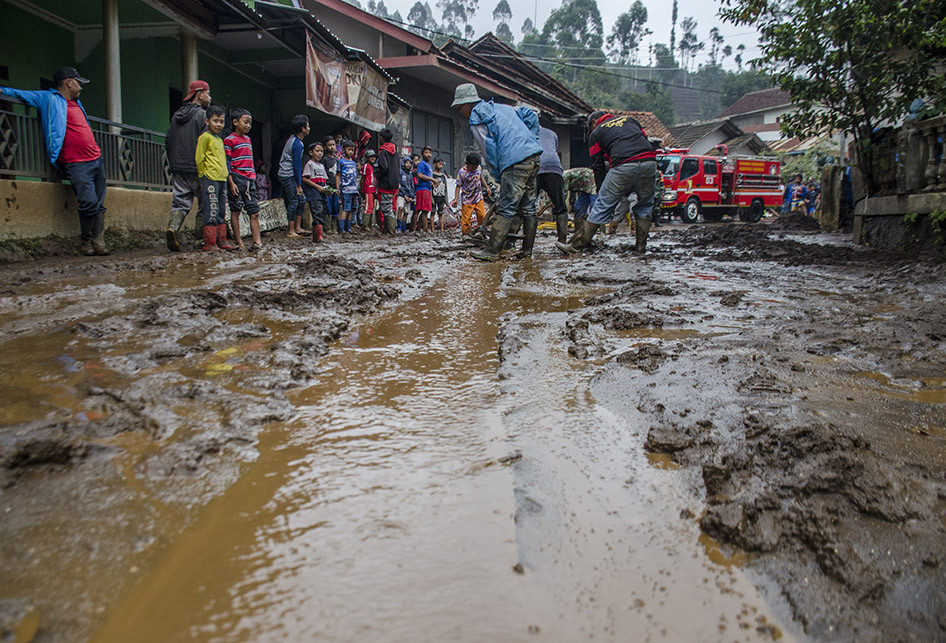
(210, 237)
(222, 237)
(317, 233)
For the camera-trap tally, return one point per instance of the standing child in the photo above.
(212, 173)
(330, 162)
(357, 216)
(262, 181)
(424, 200)
(290, 175)
(469, 192)
(347, 182)
(388, 179)
(243, 195)
(440, 191)
(315, 186)
(370, 189)
(405, 194)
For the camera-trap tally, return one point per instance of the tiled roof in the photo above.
(765, 127)
(755, 101)
(651, 124)
(688, 134)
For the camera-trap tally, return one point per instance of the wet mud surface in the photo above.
(748, 426)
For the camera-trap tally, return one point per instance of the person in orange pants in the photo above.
(469, 193)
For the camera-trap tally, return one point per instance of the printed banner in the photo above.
(367, 96)
(326, 86)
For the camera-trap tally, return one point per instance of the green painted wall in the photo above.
(32, 48)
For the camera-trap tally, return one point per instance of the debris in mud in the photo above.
(796, 221)
(42, 451)
(511, 458)
(673, 439)
(582, 343)
(732, 299)
(648, 358)
(632, 293)
(618, 318)
(518, 568)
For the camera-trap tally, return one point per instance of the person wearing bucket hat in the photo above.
(187, 124)
(509, 141)
(71, 146)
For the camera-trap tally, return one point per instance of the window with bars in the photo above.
(437, 132)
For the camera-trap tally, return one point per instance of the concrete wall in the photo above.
(30, 209)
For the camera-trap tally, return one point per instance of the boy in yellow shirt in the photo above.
(212, 172)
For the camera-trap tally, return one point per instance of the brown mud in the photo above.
(745, 404)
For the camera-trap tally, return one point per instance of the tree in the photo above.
(626, 34)
(849, 66)
(422, 19)
(502, 14)
(738, 58)
(689, 43)
(527, 26)
(716, 41)
(456, 14)
(656, 99)
(673, 28)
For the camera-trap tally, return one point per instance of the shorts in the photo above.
(424, 202)
(245, 198)
(350, 202)
(440, 205)
(184, 187)
(403, 203)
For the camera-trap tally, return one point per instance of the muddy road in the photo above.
(741, 437)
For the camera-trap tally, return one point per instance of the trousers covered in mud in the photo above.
(634, 176)
(214, 201)
(518, 188)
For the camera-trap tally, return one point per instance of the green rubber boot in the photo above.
(497, 239)
(587, 233)
(529, 226)
(643, 228)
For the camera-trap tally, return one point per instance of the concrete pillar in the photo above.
(188, 60)
(113, 64)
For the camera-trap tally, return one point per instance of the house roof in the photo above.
(758, 101)
(370, 20)
(650, 123)
(750, 141)
(689, 133)
(764, 127)
(444, 72)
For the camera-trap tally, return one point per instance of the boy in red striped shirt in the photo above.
(242, 179)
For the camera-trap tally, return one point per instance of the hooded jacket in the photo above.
(187, 124)
(52, 107)
(387, 174)
(512, 135)
(617, 140)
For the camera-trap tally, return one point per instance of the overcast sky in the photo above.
(658, 20)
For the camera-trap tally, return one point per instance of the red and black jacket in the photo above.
(617, 140)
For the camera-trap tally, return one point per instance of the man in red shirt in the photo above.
(72, 147)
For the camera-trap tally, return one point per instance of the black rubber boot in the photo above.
(561, 227)
(390, 225)
(529, 226)
(174, 227)
(497, 239)
(587, 233)
(86, 232)
(513, 233)
(98, 234)
(643, 227)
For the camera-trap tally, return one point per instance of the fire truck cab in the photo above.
(716, 186)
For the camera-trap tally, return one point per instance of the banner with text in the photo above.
(367, 96)
(326, 82)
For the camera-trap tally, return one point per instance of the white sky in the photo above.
(658, 20)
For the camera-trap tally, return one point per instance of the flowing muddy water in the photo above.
(418, 496)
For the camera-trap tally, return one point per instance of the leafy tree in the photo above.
(666, 63)
(656, 99)
(378, 8)
(673, 28)
(849, 66)
(690, 45)
(716, 42)
(527, 26)
(422, 18)
(396, 17)
(626, 34)
(502, 14)
(738, 58)
(456, 14)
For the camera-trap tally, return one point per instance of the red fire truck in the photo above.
(716, 186)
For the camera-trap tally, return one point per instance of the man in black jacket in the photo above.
(631, 166)
(387, 177)
(187, 124)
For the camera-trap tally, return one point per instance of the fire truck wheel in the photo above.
(691, 212)
(756, 210)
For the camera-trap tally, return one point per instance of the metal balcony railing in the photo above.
(134, 156)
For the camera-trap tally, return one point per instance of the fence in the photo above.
(911, 159)
(134, 156)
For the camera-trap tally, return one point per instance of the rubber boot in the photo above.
(210, 238)
(643, 227)
(98, 235)
(587, 233)
(199, 228)
(87, 231)
(390, 225)
(561, 227)
(222, 237)
(655, 218)
(317, 233)
(497, 239)
(174, 226)
(513, 232)
(529, 226)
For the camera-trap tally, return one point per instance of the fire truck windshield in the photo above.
(668, 165)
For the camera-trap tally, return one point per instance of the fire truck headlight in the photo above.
(670, 196)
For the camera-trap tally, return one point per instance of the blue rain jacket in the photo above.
(512, 134)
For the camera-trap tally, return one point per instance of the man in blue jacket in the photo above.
(509, 141)
(72, 147)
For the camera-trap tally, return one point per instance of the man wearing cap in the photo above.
(509, 140)
(72, 147)
(187, 124)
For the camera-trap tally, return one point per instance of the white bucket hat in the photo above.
(465, 93)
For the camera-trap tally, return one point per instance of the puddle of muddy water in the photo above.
(415, 496)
